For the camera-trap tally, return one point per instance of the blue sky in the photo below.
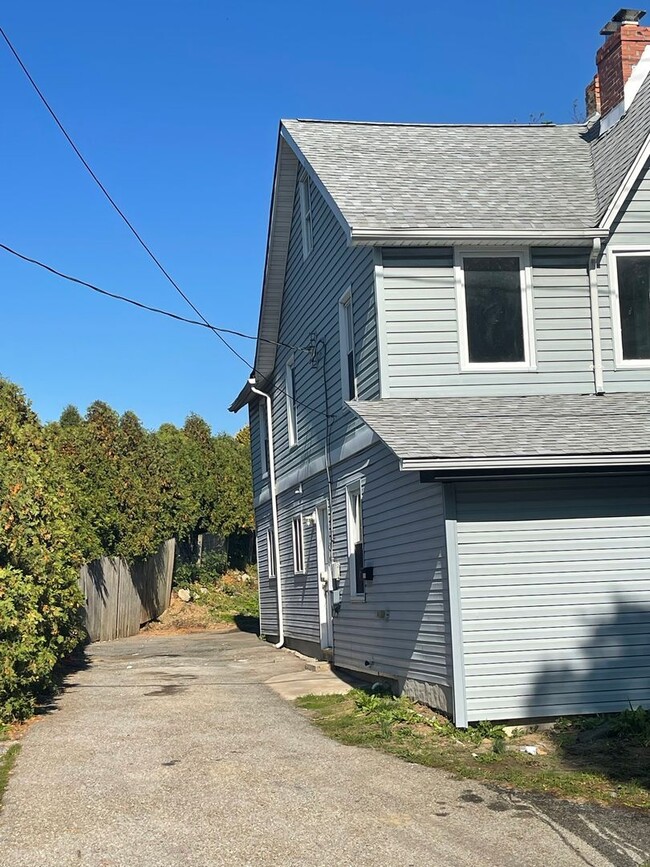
(176, 106)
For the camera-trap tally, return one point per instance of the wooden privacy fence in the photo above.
(120, 597)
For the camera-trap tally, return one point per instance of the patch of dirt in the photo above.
(183, 618)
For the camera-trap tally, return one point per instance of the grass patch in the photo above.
(230, 599)
(605, 759)
(7, 761)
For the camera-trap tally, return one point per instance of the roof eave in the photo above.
(242, 398)
(375, 237)
(525, 462)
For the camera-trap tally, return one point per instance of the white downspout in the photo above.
(599, 383)
(274, 506)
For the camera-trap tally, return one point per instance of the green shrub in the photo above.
(213, 567)
(39, 594)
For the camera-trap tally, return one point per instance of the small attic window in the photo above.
(305, 216)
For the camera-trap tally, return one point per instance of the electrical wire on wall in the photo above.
(319, 358)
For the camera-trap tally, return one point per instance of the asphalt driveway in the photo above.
(172, 750)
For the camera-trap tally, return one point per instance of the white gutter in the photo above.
(274, 507)
(367, 235)
(599, 383)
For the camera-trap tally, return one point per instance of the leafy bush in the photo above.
(39, 594)
(209, 571)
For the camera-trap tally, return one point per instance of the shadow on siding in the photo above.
(609, 673)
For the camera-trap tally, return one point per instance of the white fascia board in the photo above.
(386, 237)
(613, 460)
(302, 159)
(626, 186)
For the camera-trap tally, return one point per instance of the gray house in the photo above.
(450, 406)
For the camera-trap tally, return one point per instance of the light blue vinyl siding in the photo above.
(555, 595)
(267, 585)
(310, 313)
(631, 229)
(404, 541)
(422, 340)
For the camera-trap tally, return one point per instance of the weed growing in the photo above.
(605, 759)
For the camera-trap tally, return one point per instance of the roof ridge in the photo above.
(420, 124)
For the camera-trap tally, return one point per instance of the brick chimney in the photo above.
(625, 42)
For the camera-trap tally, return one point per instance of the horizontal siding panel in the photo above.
(422, 340)
(555, 595)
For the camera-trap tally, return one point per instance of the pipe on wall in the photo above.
(599, 384)
(274, 506)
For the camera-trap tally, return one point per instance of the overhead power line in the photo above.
(130, 225)
(140, 304)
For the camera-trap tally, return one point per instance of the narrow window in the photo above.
(298, 545)
(495, 311)
(270, 553)
(290, 388)
(346, 336)
(264, 441)
(633, 275)
(305, 217)
(355, 541)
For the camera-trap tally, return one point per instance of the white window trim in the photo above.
(613, 254)
(264, 436)
(345, 301)
(270, 556)
(353, 488)
(298, 569)
(307, 228)
(528, 322)
(292, 415)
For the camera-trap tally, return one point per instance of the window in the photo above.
(290, 388)
(298, 545)
(264, 441)
(495, 312)
(355, 540)
(305, 217)
(270, 553)
(631, 283)
(346, 337)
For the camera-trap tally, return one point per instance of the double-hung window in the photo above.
(495, 313)
(305, 216)
(290, 390)
(298, 545)
(630, 279)
(346, 338)
(264, 440)
(270, 554)
(355, 540)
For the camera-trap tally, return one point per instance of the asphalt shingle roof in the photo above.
(502, 427)
(391, 176)
(615, 150)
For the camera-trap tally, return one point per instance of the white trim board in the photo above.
(360, 440)
(613, 253)
(527, 311)
(484, 463)
(626, 186)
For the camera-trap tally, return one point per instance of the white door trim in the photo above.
(324, 574)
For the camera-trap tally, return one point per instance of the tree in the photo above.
(70, 417)
(39, 559)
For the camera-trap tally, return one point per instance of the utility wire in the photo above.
(130, 225)
(142, 306)
(157, 310)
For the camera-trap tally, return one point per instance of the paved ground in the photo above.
(172, 751)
